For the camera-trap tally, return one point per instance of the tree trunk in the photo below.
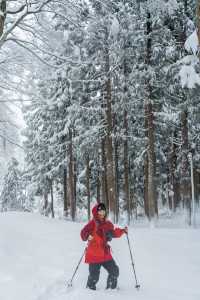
(151, 165)
(146, 202)
(116, 146)
(109, 146)
(98, 181)
(104, 174)
(109, 157)
(2, 15)
(45, 206)
(125, 137)
(65, 191)
(185, 168)
(198, 20)
(146, 167)
(75, 184)
(186, 7)
(52, 200)
(172, 179)
(133, 201)
(197, 184)
(88, 184)
(126, 168)
(152, 201)
(71, 177)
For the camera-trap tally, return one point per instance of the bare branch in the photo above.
(27, 12)
(11, 142)
(33, 53)
(20, 9)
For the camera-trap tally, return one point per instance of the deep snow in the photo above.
(38, 255)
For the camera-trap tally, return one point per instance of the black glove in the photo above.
(109, 235)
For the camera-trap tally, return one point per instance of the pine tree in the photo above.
(12, 195)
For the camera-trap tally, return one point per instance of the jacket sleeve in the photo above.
(87, 230)
(114, 232)
(118, 232)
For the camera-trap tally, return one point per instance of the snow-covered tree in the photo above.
(12, 195)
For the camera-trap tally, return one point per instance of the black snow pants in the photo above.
(94, 272)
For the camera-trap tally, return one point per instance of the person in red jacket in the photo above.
(98, 232)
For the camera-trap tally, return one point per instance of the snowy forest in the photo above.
(100, 101)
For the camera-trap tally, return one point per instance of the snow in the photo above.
(188, 76)
(192, 43)
(114, 30)
(38, 255)
(155, 6)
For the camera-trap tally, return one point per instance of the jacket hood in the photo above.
(95, 210)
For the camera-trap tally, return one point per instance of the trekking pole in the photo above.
(137, 286)
(69, 283)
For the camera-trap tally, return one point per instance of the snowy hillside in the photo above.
(38, 256)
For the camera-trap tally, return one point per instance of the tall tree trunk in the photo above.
(52, 200)
(133, 200)
(152, 201)
(198, 20)
(109, 145)
(2, 15)
(71, 177)
(185, 168)
(109, 157)
(45, 206)
(146, 202)
(172, 162)
(197, 184)
(88, 184)
(197, 180)
(65, 191)
(125, 137)
(151, 165)
(104, 174)
(186, 7)
(146, 166)
(116, 166)
(75, 184)
(116, 146)
(98, 181)
(126, 168)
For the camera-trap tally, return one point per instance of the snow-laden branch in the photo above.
(10, 141)
(26, 11)
(14, 12)
(33, 53)
(9, 122)
(52, 54)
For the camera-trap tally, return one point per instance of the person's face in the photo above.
(101, 214)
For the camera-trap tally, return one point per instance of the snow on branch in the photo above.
(25, 11)
(192, 44)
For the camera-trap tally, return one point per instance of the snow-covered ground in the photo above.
(38, 256)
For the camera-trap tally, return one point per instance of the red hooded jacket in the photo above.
(98, 249)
